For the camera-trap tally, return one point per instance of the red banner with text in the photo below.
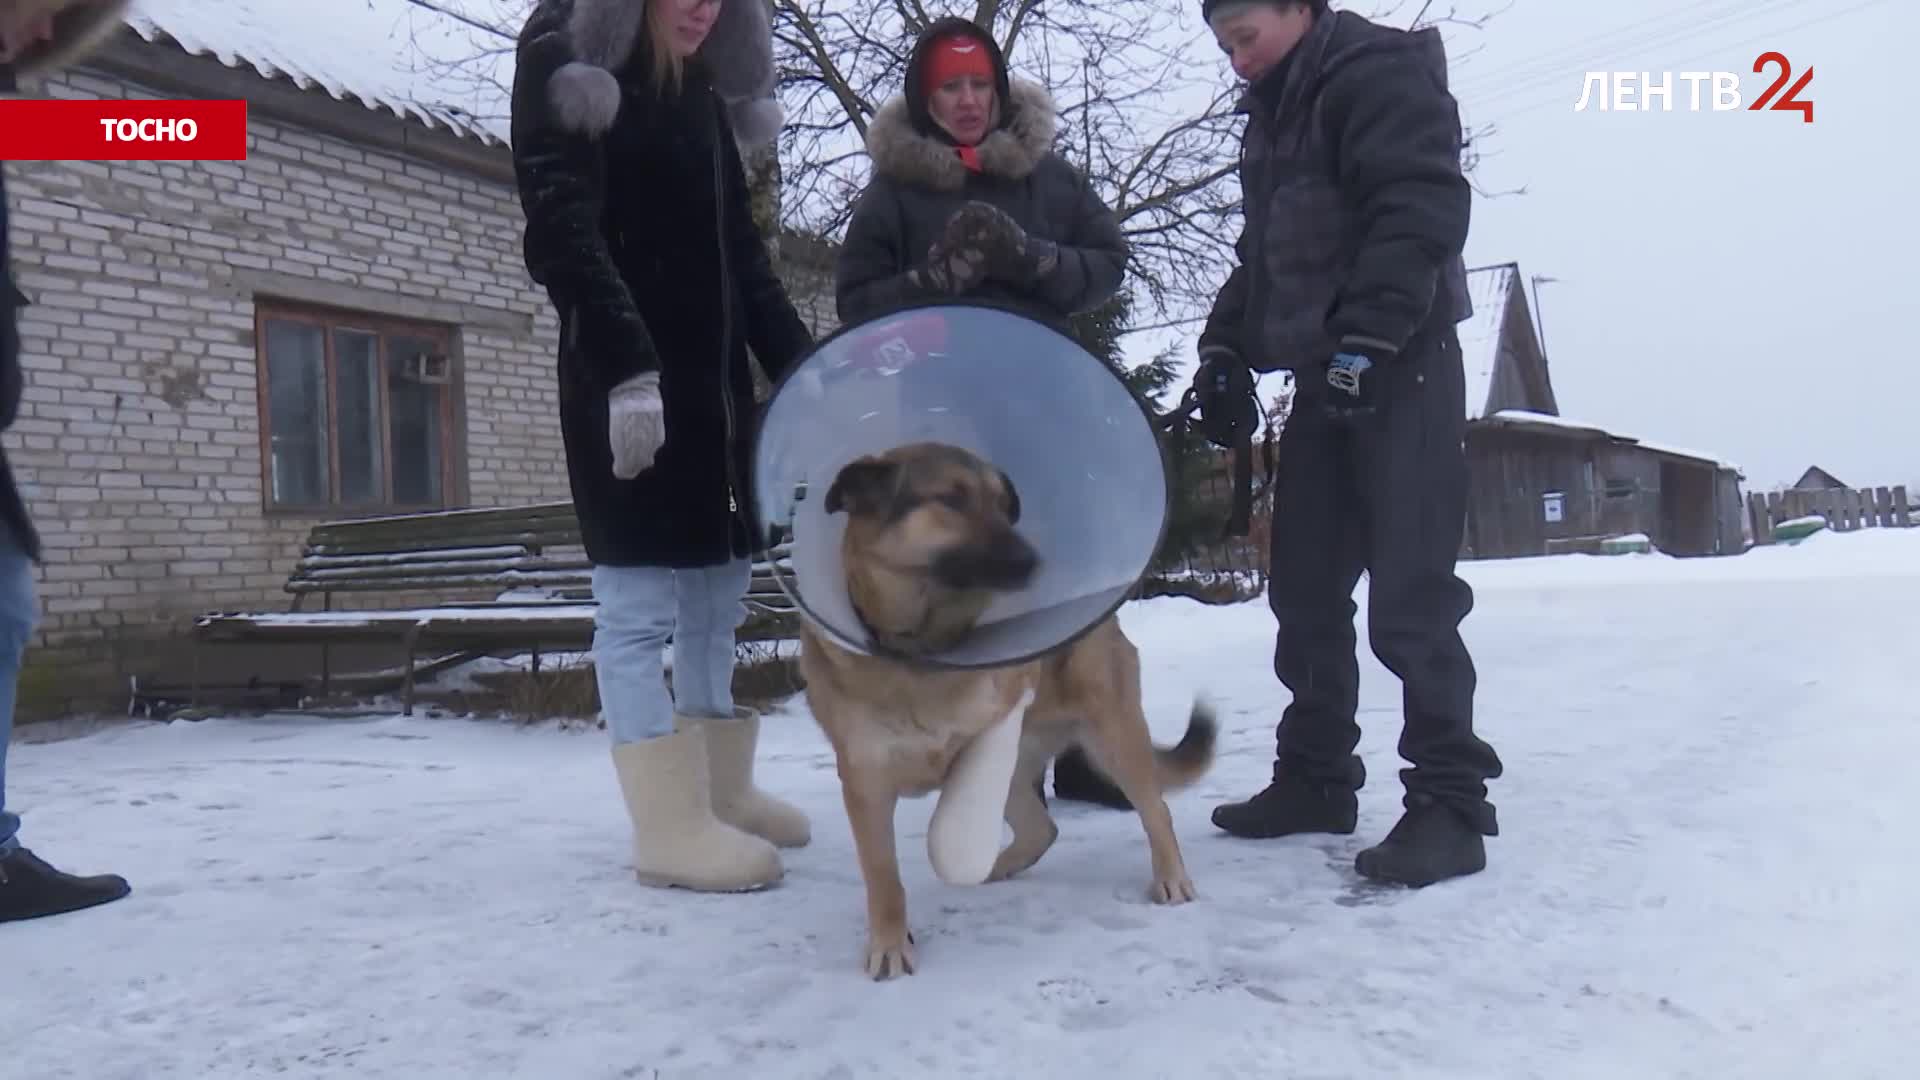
(40, 129)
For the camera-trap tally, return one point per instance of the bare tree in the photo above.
(1147, 108)
(1142, 105)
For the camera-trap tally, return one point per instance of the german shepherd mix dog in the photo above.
(929, 543)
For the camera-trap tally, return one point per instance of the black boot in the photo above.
(29, 888)
(1431, 842)
(1296, 802)
(1074, 777)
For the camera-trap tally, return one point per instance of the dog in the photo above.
(929, 543)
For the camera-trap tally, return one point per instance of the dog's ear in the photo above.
(1013, 498)
(861, 485)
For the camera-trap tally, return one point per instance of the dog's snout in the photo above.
(1003, 560)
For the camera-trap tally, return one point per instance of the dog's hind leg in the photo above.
(1034, 830)
(1123, 745)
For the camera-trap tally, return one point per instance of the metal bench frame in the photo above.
(504, 549)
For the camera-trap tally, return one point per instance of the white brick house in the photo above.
(220, 355)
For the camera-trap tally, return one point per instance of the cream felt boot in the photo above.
(677, 841)
(731, 745)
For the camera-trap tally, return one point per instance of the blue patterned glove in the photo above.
(1353, 377)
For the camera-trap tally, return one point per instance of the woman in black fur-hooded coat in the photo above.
(639, 225)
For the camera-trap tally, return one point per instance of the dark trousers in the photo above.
(1385, 494)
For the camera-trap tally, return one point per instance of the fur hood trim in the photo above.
(900, 152)
(78, 29)
(738, 56)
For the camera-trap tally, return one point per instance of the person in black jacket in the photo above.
(35, 39)
(625, 116)
(968, 198)
(1351, 277)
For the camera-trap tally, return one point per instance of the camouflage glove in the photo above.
(949, 269)
(1009, 252)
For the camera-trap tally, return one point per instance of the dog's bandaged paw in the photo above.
(963, 838)
(636, 424)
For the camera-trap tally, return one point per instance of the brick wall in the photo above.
(138, 444)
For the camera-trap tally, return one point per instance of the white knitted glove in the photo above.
(636, 425)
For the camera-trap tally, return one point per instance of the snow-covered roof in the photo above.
(390, 55)
(1519, 418)
(1489, 287)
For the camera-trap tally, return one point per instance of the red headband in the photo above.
(954, 56)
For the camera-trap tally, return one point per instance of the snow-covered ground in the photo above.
(1707, 869)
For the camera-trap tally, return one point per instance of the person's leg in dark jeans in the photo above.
(1414, 474)
(1076, 778)
(1317, 552)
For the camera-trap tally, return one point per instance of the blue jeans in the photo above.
(637, 609)
(19, 611)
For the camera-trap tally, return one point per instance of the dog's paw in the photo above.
(890, 955)
(1171, 890)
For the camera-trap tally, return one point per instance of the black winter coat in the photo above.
(1356, 205)
(13, 509)
(640, 227)
(918, 182)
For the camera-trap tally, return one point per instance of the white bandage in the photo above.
(963, 839)
(636, 424)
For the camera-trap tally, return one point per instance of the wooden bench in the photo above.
(530, 580)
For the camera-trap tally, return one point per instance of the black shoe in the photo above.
(1289, 805)
(1431, 842)
(30, 889)
(1075, 778)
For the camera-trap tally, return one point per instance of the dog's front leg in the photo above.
(870, 803)
(963, 839)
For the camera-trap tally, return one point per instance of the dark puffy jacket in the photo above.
(640, 227)
(14, 518)
(77, 29)
(1356, 206)
(918, 182)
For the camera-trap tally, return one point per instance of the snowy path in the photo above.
(1706, 871)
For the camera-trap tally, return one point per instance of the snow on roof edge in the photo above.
(1520, 418)
(447, 117)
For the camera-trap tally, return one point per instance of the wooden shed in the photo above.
(1541, 484)
(1818, 479)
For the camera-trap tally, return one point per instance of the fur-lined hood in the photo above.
(79, 27)
(902, 153)
(738, 55)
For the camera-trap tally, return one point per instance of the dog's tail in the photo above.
(1189, 759)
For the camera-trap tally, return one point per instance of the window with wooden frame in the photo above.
(356, 411)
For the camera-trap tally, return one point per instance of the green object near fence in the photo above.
(1792, 532)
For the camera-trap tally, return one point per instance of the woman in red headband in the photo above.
(969, 198)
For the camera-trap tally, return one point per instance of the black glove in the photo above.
(1352, 377)
(1009, 253)
(1223, 387)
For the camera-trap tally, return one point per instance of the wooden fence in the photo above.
(1844, 509)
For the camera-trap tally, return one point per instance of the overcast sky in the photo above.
(1738, 283)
